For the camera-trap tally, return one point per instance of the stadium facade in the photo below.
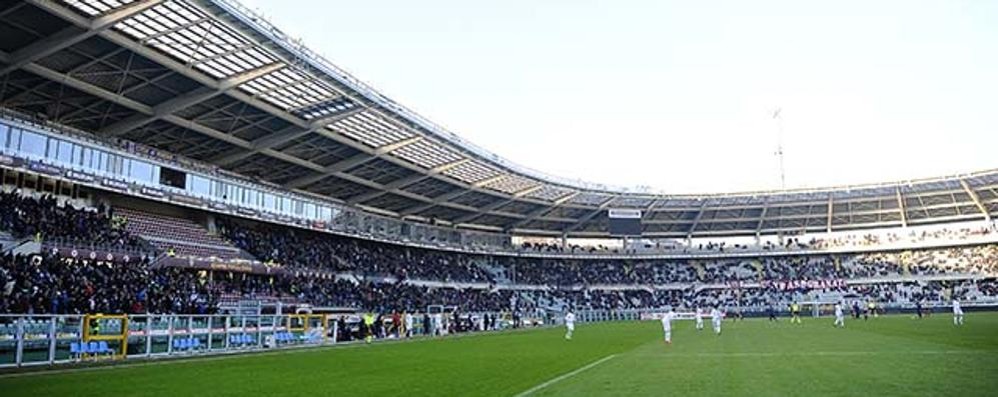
(261, 126)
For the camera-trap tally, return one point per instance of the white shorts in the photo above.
(570, 326)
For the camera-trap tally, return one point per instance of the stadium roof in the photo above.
(210, 80)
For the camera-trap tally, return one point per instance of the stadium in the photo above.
(194, 202)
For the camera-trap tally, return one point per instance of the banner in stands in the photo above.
(223, 266)
(803, 284)
(114, 184)
(92, 254)
(180, 198)
(152, 192)
(80, 176)
(646, 316)
(10, 161)
(43, 168)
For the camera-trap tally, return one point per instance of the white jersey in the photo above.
(408, 321)
(667, 320)
(570, 319)
(838, 310)
(956, 307)
(438, 321)
(715, 315)
(699, 313)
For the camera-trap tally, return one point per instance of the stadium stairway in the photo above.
(7, 241)
(498, 273)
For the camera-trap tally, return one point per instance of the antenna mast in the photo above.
(779, 146)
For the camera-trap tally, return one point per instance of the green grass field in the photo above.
(888, 356)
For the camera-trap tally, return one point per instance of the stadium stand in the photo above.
(45, 217)
(326, 270)
(302, 249)
(182, 236)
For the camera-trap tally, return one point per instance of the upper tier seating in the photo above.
(186, 237)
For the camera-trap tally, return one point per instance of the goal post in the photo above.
(818, 308)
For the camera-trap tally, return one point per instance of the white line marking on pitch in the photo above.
(820, 353)
(562, 377)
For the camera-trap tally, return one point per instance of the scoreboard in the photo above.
(624, 222)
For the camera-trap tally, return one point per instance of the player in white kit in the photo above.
(715, 317)
(569, 324)
(957, 313)
(667, 325)
(840, 319)
(699, 318)
(408, 324)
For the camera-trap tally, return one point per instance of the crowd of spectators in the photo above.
(50, 284)
(44, 217)
(905, 293)
(914, 236)
(302, 249)
(39, 284)
(782, 243)
(326, 270)
(980, 259)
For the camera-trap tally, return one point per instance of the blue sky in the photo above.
(678, 95)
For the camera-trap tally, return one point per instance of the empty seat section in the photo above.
(187, 238)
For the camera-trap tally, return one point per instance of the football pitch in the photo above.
(887, 356)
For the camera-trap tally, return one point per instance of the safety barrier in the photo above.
(28, 340)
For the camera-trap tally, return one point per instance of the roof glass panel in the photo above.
(472, 172)
(550, 193)
(427, 154)
(370, 129)
(297, 92)
(189, 34)
(589, 198)
(97, 7)
(633, 201)
(511, 184)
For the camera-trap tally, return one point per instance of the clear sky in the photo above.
(679, 95)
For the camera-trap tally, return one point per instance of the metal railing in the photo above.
(28, 340)
(31, 340)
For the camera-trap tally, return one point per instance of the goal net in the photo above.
(818, 308)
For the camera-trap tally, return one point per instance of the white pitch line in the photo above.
(562, 377)
(822, 353)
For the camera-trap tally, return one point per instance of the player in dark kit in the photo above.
(771, 311)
